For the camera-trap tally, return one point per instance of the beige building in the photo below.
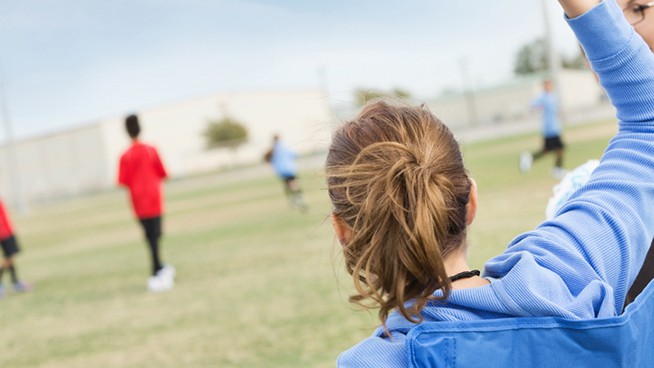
(579, 91)
(85, 159)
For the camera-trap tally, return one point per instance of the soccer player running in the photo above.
(142, 171)
(548, 103)
(282, 158)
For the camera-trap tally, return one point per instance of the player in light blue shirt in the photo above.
(548, 103)
(283, 160)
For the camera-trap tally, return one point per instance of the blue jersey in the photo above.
(283, 160)
(549, 104)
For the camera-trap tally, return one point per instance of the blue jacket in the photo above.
(580, 264)
(623, 341)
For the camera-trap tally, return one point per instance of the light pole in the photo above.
(323, 84)
(469, 93)
(14, 175)
(553, 59)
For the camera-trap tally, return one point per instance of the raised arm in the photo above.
(623, 62)
(592, 250)
(616, 207)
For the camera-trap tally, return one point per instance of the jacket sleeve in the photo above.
(602, 234)
(375, 352)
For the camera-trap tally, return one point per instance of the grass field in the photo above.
(259, 285)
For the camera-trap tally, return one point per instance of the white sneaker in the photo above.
(571, 182)
(158, 284)
(526, 160)
(559, 173)
(167, 272)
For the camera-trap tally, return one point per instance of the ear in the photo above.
(343, 232)
(471, 207)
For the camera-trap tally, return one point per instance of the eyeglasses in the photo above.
(636, 13)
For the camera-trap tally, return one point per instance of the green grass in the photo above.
(259, 285)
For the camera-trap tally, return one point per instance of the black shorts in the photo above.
(553, 143)
(151, 227)
(9, 246)
(288, 178)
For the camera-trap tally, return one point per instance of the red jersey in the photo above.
(6, 230)
(141, 171)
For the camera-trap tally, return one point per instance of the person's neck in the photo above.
(457, 263)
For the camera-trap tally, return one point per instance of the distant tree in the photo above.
(577, 61)
(225, 133)
(531, 58)
(401, 93)
(363, 95)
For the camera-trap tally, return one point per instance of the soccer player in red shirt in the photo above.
(141, 171)
(9, 249)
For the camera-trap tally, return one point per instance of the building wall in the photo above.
(302, 118)
(86, 159)
(55, 165)
(578, 88)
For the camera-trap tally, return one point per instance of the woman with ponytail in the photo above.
(402, 201)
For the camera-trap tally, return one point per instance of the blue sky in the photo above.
(70, 62)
